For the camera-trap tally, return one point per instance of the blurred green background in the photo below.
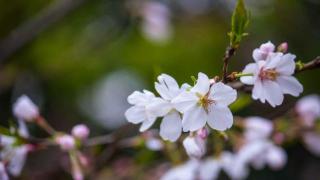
(82, 66)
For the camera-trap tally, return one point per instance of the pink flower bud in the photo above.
(203, 133)
(283, 47)
(25, 109)
(80, 131)
(66, 142)
(194, 146)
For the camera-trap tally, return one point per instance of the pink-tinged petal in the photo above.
(171, 126)
(258, 91)
(135, 114)
(147, 124)
(159, 107)
(203, 84)
(286, 65)
(276, 157)
(220, 118)
(167, 87)
(267, 47)
(250, 68)
(18, 160)
(290, 85)
(184, 101)
(273, 93)
(258, 55)
(222, 94)
(273, 60)
(194, 118)
(312, 142)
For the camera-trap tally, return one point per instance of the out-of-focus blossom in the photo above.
(3, 173)
(263, 152)
(257, 128)
(14, 154)
(187, 171)
(204, 103)
(80, 131)
(156, 21)
(154, 144)
(272, 78)
(263, 51)
(25, 109)
(308, 108)
(139, 113)
(234, 165)
(195, 146)
(312, 142)
(66, 142)
(194, 169)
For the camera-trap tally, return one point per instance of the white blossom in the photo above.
(139, 113)
(263, 51)
(195, 146)
(14, 154)
(154, 144)
(80, 131)
(206, 103)
(234, 165)
(25, 109)
(312, 142)
(257, 128)
(272, 78)
(66, 142)
(308, 108)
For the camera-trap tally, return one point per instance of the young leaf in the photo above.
(239, 23)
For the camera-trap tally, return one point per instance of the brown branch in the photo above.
(32, 28)
(228, 54)
(313, 64)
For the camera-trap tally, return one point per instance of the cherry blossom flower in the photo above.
(195, 146)
(25, 109)
(272, 78)
(257, 128)
(80, 131)
(312, 142)
(171, 125)
(233, 165)
(308, 108)
(194, 169)
(14, 154)
(263, 51)
(66, 142)
(206, 103)
(139, 113)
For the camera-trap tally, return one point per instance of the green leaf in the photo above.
(239, 23)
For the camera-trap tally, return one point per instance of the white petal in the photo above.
(258, 91)
(194, 118)
(258, 55)
(139, 98)
(171, 126)
(167, 87)
(312, 142)
(222, 94)
(185, 86)
(273, 93)
(290, 85)
(220, 118)
(209, 169)
(273, 60)
(184, 101)
(159, 107)
(147, 124)
(202, 85)
(135, 114)
(18, 160)
(250, 68)
(286, 65)
(276, 157)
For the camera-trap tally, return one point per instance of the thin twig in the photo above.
(230, 51)
(310, 65)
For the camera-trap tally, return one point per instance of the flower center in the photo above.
(205, 102)
(270, 74)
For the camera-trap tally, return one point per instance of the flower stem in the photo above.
(243, 74)
(44, 125)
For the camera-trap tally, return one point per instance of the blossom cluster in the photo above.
(184, 108)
